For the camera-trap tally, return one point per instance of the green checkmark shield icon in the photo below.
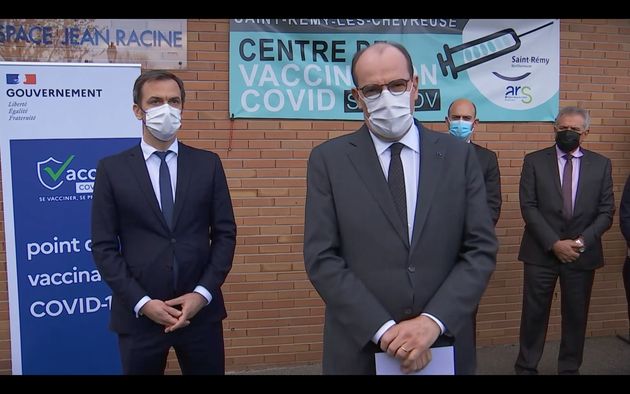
(56, 174)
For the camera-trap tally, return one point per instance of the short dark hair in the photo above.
(448, 113)
(156, 75)
(396, 45)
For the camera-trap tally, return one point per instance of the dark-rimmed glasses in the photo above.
(395, 87)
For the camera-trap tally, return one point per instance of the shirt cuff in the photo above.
(381, 331)
(437, 321)
(140, 304)
(204, 292)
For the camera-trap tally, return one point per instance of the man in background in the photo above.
(461, 121)
(567, 203)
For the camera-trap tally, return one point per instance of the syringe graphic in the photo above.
(481, 50)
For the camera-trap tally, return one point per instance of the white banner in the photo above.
(60, 120)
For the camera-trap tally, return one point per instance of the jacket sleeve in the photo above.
(105, 243)
(493, 187)
(342, 291)
(460, 293)
(605, 208)
(534, 219)
(223, 232)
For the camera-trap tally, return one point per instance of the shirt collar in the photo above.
(560, 154)
(411, 140)
(147, 150)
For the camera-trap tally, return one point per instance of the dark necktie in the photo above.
(166, 199)
(567, 188)
(396, 181)
(166, 190)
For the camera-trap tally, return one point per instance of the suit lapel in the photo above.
(432, 155)
(554, 170)
(585, 166)
(139, 169)
(184, 170)
(363, 156)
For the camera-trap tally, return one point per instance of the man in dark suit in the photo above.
(461, 121)
(567, 202)
(163, 238)
(398, 240)
(624, 223)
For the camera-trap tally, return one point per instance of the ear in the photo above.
(357, 98)
(138, 111)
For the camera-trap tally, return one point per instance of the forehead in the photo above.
(381, 64)
(462, 108)
(160, 88)
(571, 120)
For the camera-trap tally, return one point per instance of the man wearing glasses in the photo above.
(567, 203)
(398, 240)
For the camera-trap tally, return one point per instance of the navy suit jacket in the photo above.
(359, 259)
(134, 249)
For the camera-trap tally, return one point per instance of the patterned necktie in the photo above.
(567, 188)
(166, 189)
(396, 181)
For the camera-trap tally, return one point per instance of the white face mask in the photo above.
(390, 116)
(163, 121)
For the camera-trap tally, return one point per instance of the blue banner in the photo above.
(65, 305)
(300, 68)
(60, 119)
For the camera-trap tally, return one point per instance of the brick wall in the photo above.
(275, 316)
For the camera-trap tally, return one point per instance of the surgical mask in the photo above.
(390, 116)
(163, 121)
(461, 129)
(567, 140)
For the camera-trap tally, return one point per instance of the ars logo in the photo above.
(49, 177)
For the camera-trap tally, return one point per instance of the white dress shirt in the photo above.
(153, 167)
(410, 157)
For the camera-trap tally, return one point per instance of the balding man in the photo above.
(461, 121)
(398, 240)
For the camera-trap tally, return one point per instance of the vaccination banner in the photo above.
(59, 120)
(300, 68)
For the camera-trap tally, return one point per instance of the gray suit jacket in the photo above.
(361, 263)
(541, 205)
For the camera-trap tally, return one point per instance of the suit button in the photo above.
(408, 311)
(411, 268)
(173, 240)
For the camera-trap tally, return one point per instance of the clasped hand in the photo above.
(175, 313)
(410, 341)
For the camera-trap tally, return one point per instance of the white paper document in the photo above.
(442, 363)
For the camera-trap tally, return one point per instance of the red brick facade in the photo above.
(275, 316)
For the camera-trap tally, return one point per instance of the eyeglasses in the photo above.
(575, 129)
(395, 87)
